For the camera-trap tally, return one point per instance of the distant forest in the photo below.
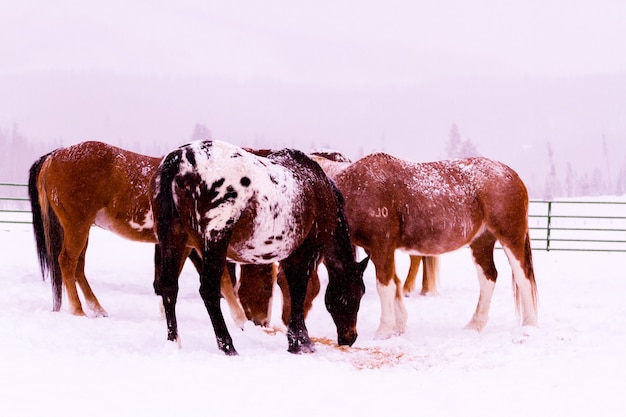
(19, 153)
(570, 183)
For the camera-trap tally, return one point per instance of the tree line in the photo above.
(556, 184)
(19, 153)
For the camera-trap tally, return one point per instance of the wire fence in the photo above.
(554, 225)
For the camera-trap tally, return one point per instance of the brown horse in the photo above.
(432, 208)
(228, 203)
(256, 282)
(255, 291)
(334, 163)
(90, 183)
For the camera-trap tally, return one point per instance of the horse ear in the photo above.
(363, 264)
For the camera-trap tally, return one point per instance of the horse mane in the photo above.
(332, 162)
(341, 233)
(260, 152)
(331, 155)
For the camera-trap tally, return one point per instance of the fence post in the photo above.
(548, 226)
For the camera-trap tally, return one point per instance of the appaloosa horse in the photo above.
(432, 208)
(90, 183)
(226, 202)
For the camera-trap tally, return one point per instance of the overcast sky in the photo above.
(357, 76)
(391, 42)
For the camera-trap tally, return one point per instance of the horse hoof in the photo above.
(380, 335)
(231, 352)
(100, 313)
(476, 325)
(523, 334)
(304, 347)
(227, 347)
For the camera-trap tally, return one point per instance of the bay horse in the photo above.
(256, 282)
(432, 208)
(228, 203)
(71, 189)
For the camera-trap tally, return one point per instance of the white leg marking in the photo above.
(387, 293)
(161, 307)
(481, 315)
(400, 312)
(528, 308)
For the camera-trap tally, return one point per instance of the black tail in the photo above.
(166, 210)
(48, 235)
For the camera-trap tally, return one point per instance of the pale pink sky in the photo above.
(357, 76)
(320, 42)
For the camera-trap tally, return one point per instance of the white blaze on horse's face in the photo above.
(271, 188)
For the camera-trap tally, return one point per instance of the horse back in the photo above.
(265, 205)
(426, 208)
(93, 182)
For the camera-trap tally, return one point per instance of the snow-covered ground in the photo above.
(54, 364)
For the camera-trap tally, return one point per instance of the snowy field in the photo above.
(54, 364)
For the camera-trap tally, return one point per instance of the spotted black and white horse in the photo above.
(228, 203)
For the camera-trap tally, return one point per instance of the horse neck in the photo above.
(339, 253)
(331, 168)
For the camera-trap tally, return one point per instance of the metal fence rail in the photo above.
(578, 225)
(14, 204)
(554, 225)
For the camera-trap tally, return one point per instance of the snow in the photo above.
(55, 364)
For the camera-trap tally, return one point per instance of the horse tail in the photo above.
(164, 179)
(530, 275)
(47, 230)
(430, 274)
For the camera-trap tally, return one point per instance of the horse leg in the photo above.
(227, 290)
(411, 276)
(234, 306)
(213, 268)
(71, 249)
(482, 249)
(281, 280)
(524, 285)
(312, 290)
(393, 314)
(169, 258)
(298, 268)
(90, 297)
(429, 275)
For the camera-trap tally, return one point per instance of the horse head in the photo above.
(343, 299)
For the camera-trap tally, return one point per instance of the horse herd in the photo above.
(279, 214)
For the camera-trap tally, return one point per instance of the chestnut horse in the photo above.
(255, 289)
(333, 163)
(226, 202)
(256, 282)
(432, 208)
(71, 189)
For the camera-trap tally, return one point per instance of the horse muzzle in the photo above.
(347, 338)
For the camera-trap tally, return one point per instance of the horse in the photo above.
(72, 188)
(228, 203)
(256, 282)
(333, 163)
(432, 208)
(255, 288)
